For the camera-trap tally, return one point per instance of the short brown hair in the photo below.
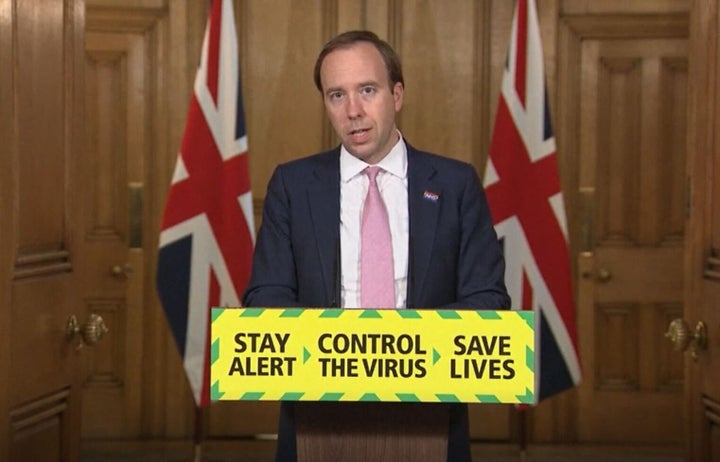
(347, 39)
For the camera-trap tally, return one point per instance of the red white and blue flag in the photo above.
(207, 236)
(525, 196)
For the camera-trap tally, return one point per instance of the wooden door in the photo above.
(115, 132)
(134, 385)
(626, 135)
(41, 192)
(702, 356)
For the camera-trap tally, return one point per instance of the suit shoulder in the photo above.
(322, 162)
(320, 158)
(444, 164)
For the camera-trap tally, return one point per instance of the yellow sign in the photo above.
(295, 354)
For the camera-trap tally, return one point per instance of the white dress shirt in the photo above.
(393, 185)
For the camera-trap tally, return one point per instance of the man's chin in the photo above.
(361, 152)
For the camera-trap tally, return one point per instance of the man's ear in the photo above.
(398, 93)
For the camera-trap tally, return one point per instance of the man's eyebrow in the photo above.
(332, 90)
(372, 83)
(368, 83)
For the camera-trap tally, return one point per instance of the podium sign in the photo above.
(295, 354)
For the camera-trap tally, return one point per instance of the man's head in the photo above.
(347, 39)
(360, 79)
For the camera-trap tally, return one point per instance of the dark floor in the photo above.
(262, 451)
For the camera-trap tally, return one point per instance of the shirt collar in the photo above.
(395, 162)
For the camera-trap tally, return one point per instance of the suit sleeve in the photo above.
(273, 282)
(481, 265)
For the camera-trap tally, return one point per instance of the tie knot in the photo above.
(372, 172)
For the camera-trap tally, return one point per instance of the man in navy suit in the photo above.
(444, 248)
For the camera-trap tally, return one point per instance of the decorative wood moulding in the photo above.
(122, 19)
(330, 19)
(630, 26)
(105, 366)
(42, 264)
(329, 30)
(616, 363)
(41, 412)
(395, 24)
(712, 265)
(712, 410)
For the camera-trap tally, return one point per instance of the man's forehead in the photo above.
(358, 65)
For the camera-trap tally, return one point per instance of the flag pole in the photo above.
(522, 432)
(199, 434)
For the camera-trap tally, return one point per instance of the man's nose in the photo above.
(354, 107)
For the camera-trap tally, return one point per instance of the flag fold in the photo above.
(525, 196)
(207, 231)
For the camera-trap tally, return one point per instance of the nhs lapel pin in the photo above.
(431, 196)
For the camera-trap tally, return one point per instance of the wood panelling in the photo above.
(106, 127)
(40, 63)
(123, 62)
(618, 130)
(616, 362)
(592, 7)
(41, 83)
(621, 71)
(8, 186)
(712, 415)
(105, 367)
(110, 368)
(284, 111)
(671, 203)
(439, 69)
(40, 429)
(669, 370)
(702, 289)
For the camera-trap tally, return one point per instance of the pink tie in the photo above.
(377, 276)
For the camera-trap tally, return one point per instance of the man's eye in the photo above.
(367, 90)
(335, 95)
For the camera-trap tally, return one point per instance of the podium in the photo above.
(361, 431)
(373, 385)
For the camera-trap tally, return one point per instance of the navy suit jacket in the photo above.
(455, 260)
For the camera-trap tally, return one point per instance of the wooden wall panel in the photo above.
(132, 132)
(118, 67)
(670, 203)
(616, 157)
(38, 430)
(702, 262)
(283, 110)
(590, 7)
(438, 49)
(39, 66)
(8, 186)
(616, 363)
(107, 139)
(41, 80)
(668, 373)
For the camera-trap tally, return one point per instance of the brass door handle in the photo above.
(88, 334)
(681, 337)
(121, 272)
(602, 275)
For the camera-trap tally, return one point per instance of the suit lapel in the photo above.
(424, 198)
(324, 204)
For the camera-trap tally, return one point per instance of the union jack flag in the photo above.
(525, 196)
(207, 236)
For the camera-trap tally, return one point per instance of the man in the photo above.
(309, 252)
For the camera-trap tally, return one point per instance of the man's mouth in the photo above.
(359, 135)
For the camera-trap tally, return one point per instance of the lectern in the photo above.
(371, 431)
(373, 385)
